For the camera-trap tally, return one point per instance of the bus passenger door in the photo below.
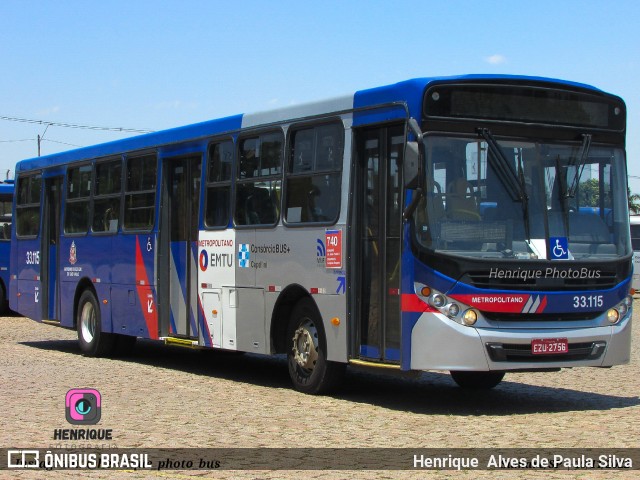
(49, 269)
(177, 256)
(377, 236)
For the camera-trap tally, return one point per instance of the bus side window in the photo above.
(28, 205)
(260, 208)
(76, 216)
(5, 217)
(314, 174)
(106, 200)
(140, 193)
(258, 186)
(219, 172)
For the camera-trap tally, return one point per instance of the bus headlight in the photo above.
(453, 310)
(469, 317)
(438, 300)
(623, 309)
(617, 313)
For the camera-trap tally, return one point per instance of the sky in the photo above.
(151, 65)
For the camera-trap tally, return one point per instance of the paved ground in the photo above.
(169, 397)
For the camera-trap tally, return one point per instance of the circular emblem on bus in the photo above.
(204, 260)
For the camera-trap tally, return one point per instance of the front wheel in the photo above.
(92, 340)
(477, 380)
(309, 368)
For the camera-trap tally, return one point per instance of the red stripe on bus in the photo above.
(543, 305)
(145, 295)
(410, 302)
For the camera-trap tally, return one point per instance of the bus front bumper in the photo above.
(438, 343)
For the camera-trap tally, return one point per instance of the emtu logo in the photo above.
(204, 260)
(243, 255)
(83, 406)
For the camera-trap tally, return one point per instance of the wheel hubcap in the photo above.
(88, 322)
(305, 345)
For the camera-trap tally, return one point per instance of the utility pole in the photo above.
(41, 137)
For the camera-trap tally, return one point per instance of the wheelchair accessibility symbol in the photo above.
(559, 248)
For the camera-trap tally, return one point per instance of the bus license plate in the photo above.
(549, 346)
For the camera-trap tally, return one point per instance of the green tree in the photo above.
(634, 202)
(589, 193)
(589, 196)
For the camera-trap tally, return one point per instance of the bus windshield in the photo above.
(511, 198)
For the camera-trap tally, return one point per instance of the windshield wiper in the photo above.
(513, 182)
(580, 164)
(562, 181)
(504, 170)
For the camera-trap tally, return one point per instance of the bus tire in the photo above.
(92, 340)
(309, 369)
(477, 380)
(4, 305)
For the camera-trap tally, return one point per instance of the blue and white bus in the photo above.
(432, 224)
(6, 206)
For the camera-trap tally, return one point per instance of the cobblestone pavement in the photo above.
(169, 397)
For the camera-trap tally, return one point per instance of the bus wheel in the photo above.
(4, 307)
(309, 368)
(93, 341)
(477, 380)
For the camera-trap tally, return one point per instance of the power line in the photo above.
(42, 140)
(74, 125)
(61, 143)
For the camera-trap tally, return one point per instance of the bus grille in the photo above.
(540, 317)
(512, 352)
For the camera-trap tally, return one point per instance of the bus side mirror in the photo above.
(413, 157)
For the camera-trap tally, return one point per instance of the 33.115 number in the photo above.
(588, 301)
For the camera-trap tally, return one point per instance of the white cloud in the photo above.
(496, 59)
(48, 111)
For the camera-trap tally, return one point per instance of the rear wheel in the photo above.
(309, 368)
(92, 340)
(477, 380)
